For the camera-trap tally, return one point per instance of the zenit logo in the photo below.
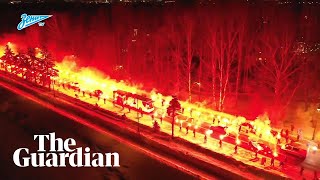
(29, 20)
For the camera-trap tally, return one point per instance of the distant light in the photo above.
(314, 148)
(221, 137)
(208, 132)
(238, 141)
(275, 154)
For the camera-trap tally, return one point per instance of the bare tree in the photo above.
(278, 67)
(187, 27)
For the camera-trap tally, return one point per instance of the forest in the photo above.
(238, 58)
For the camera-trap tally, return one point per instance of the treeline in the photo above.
(215, 51)
(33, 65)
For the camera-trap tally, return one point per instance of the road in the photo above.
(211, 145)
(21, 118)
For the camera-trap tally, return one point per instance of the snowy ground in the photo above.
(227, 149)
(212, 144)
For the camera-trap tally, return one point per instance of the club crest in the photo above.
(29, 20)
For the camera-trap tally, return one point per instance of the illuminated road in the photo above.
(182, 166)
(134, 164)
(168, 161)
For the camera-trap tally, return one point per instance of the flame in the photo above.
(208, 132)
(238, 141)
(90, 79)
(259, 148)
(38, 53)
(221, 137)
(13, 47)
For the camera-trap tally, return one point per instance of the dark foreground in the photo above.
(20, 119)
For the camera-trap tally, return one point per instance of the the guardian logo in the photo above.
(29, 20)
(61, 153)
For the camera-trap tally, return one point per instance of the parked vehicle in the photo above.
(218, 130)
(97, 93)
(294, 149)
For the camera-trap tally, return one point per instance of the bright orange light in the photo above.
(221, 137)
(259, 148)
(153, 97)
(208, 132)
(238, 141)
(90, 79)
(13, 47)
(314, 148)
(275, 154)
(268, 133)
(38, 53)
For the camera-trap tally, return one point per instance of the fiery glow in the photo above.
(38, 53)
(89, 79)
(314, 148)
(259, 148)
(208, 132)
(263, 130)
(275, 154)
(238, 141)
(13, 47)
(221, 137)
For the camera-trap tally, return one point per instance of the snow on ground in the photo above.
(212, 144)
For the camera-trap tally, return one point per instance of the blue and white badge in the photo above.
(29, 20)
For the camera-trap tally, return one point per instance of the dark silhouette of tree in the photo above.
(24, 64)
(8, 58)
(32, 64)
(49, 72)
(174, 106)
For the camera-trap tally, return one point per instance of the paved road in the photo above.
(23, 118)
(210, 143)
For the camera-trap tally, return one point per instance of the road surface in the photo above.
(21, 118)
